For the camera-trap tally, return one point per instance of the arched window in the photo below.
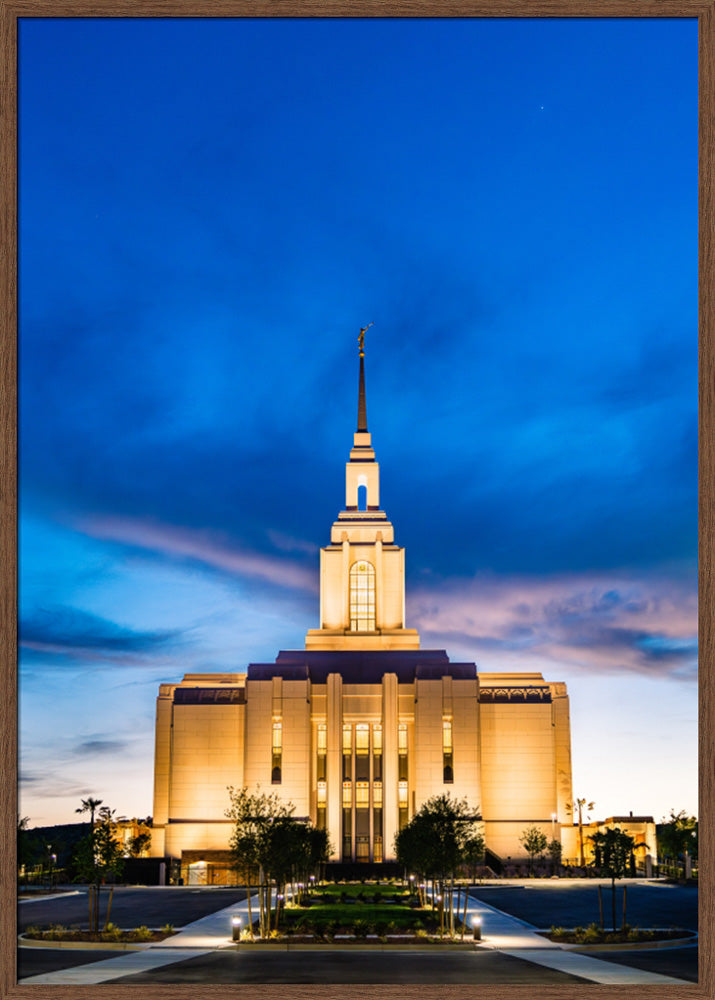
(362, 597)
(362, 497)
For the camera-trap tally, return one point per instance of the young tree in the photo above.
(97, 857)
(137, 845)
(613, 849)
(434, 845)
(534, 843)
(555, 849)
(270, 846)
(678, 835)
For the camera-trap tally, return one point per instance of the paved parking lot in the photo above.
(131, 907)
(566, 904)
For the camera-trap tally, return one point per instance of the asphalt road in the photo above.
(345, 967)
(131, 907)
(564, 905)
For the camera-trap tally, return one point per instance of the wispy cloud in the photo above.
(201, 547)
(594, 623)
(73, 634)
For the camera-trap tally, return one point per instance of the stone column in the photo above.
(346, 580)
(389, 764)
(379, 584)
(334, 762)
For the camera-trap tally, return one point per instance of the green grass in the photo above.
(344, 915)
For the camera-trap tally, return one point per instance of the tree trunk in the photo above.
(600, 906)
(261, 903)
(624, 907)
(248, 896)
(109, 907)
(613, 901)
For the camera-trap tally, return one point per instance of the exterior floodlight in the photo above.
(477, 928)
(236, 927)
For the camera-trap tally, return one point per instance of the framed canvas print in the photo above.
(357, 504)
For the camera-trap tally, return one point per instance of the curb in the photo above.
(635, 946)
(345, 946)
(25, 942)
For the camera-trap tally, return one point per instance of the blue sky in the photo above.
(210, 209)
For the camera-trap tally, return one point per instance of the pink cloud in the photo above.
(183, 543)
(595, 622)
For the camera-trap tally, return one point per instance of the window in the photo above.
(377, 753)
(402, 752)
(347, 753)
(277, 753)
(362, 752)
(362, 597)
(402, 803)
(447, 753)
(322, 745)
(322, 803)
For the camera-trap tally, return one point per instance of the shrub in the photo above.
(557, 932)
(592, 934)
(167, 929)
(578, 933)
(633, 934)
(142, 933)
(360, 928)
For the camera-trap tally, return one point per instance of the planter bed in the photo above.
(636, 938)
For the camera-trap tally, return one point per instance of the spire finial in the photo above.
(361, 338)
(362, 408)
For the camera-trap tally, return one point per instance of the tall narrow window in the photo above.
(447, 753)
(377, 753)
(322, 803)
(347, 821)
(277, 753)
(362, 752)
(402, 752)
(402, 803)
(362, 597)
(322, 749)
(347, 753)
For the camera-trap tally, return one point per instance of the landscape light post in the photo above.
(236, 928)
(477, 928)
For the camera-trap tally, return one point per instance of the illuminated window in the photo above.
(402, 752)
(377, 794)
(362, 739)
(347, 753)
(362, 752)
(362, 597)
(322, 794)
(347, 794)
(447, 753)
(362, 794)
(322, 751)
(377, 753)
(402, 803)
(277, 753)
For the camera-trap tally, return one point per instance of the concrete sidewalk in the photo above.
(210, 933)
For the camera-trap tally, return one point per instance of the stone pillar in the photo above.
(389, 764)
(334, 762)
(346, 580)
(379, 584)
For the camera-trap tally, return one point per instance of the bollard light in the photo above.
(477, 928)
(236, 928)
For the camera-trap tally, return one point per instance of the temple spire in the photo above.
(362, 406)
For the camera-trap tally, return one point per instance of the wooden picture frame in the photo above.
(10, 12)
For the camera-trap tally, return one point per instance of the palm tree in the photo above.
(89, 805)
(580, 803)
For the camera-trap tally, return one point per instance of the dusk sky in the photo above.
(209, 211)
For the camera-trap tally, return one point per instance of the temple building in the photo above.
(362, 726)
